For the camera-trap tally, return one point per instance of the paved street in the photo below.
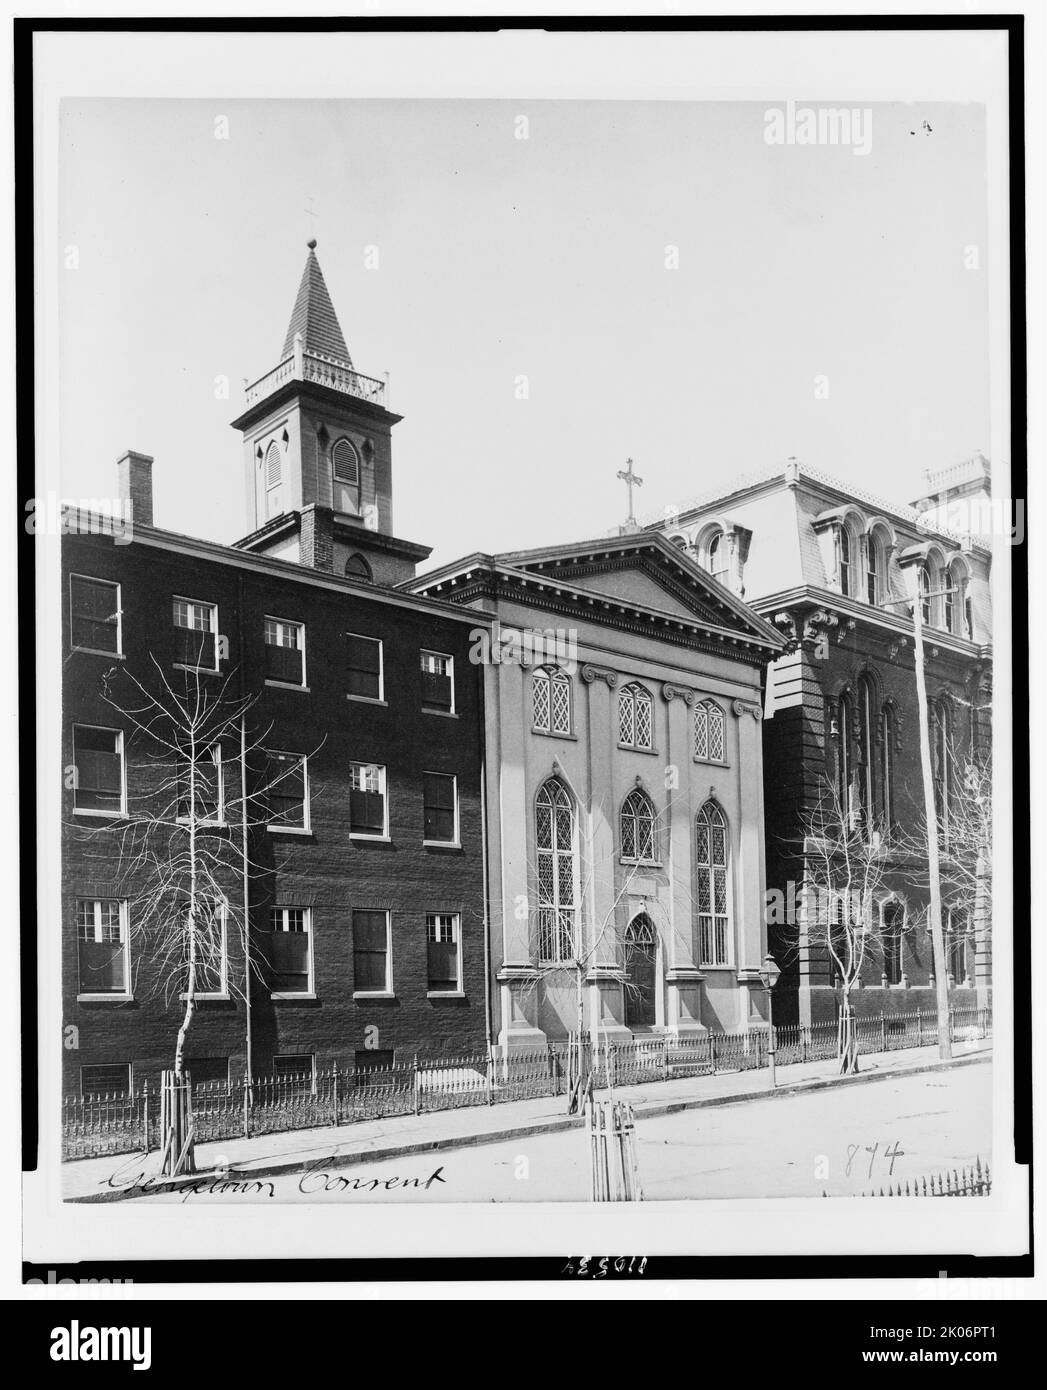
(797, 1146)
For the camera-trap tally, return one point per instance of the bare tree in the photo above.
(845, 861)
(188, 875)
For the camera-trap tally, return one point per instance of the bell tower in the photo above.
(318, 452)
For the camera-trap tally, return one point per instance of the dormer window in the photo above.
(345, 469)
(718, 560)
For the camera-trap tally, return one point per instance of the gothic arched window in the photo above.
(941, 760)
(636, 824)
(635, 717)
(709, 740)
(844, 734)
(886, 806)
(555, 845)
(551, 701)
(711, 858)
(865, 741)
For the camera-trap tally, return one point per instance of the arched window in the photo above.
(636, 825)
(635, 717)
(954, 601)
(957, 941)
(941, 761)
(345, 476)
(708, 732)
(718, 561)
(711, 856)
(274, 463)
(356, 567)
(892, 919)
(555, 844)
(886, 805)
(846, 559)
(875, 569)
(844, 734)
(865, 749)
(924, 579)
(968, 617)
(551, 701)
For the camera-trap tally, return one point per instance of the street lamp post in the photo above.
(769, 973)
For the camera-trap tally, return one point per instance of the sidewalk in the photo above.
(113, 1178)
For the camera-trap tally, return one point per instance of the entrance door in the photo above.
(640, 982)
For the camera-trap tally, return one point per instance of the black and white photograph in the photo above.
(527, 536)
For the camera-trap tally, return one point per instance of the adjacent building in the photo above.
(830, 566)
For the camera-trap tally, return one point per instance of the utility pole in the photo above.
(941, 976)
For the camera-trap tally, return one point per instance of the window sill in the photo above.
(368, 700)
(292, 995)
(289, 829)
(632, 748)
(287, 685)
(546, 733)
(373, 994)
(370, 839)
(99, 815)
(196, 670)
(441, 844)
(442, 713)
(640, 863)
(704, 965)
(710, 762)
(105, 998)
(199, 998)
(204, 824)
(99, 651)
(445, 994)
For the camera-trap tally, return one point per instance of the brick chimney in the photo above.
(135, 475)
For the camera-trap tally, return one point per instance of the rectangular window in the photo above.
(365, 677)
(98, 757)
(291, 955)
(210, 954)
(105, 1079)
(372, 963)
(101, 929)
(440, 805)
(443, 947)
(369, 1062)
(367, 802)
(284, 651)
(287, 790)
(206, 787)
(196, 628)
(209, 1072)
(296, 1071)
(438, 681)
(94, 614)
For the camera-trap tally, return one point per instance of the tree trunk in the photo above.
(847, 1037)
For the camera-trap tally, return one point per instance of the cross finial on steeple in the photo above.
(631, 480)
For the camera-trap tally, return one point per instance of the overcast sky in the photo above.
(545, 258)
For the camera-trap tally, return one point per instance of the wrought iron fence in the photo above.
(97, 1125)
(962, 1182)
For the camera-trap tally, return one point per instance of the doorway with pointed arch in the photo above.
(641, 973)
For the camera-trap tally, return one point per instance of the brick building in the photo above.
(355, 858)
(826, 563)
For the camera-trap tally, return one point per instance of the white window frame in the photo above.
(550, 675)
(729, 928)
(92, 996)
(287, 622)
(220, 765)
(456, 843)
(306, 828)
(197, 603)
(307, 916)
(387, 992)
(378, 699)
(635, 692)
(444, 656)
(114, 584)
(98, 812)
(711, 708)
(223, 913)
(456, 925)
(360, 834)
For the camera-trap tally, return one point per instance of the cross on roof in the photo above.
(631, 480)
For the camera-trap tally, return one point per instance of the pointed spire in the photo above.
(314, 317)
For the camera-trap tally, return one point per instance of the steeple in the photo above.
(318, 462)
(313, 316)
